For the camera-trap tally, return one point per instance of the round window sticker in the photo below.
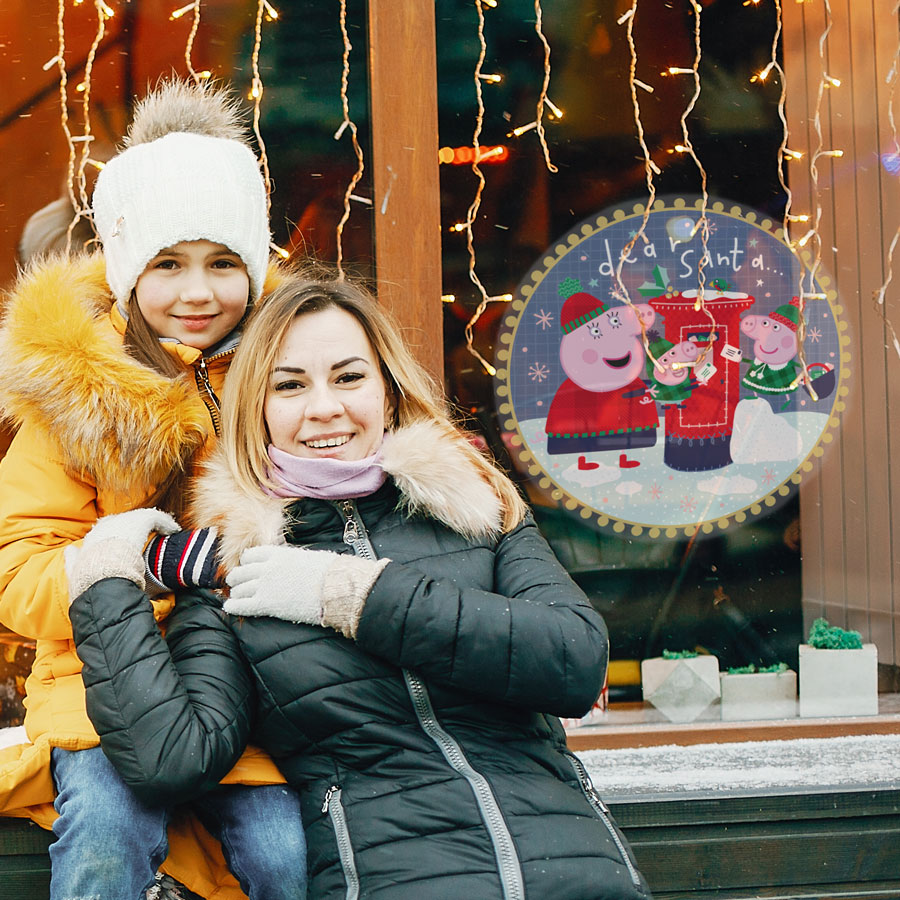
(718, 423)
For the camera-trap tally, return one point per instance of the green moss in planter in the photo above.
(765, 670)
(679, 654)
(823, 636)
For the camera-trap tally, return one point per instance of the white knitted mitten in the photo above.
(114, 548)
(293, 583)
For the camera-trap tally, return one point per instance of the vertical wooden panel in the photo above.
(403, 84)
(849, 544)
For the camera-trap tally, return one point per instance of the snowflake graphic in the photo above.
(617, 293)
(814, 335)
(768, 476)
(655, 491)
(538, 372)
(688, 504)
(543, 319)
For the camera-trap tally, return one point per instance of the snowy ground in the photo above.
(803, 764)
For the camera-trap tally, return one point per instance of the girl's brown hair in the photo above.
(414, 394)
(142, 343)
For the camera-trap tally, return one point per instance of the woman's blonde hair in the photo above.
(413, 394)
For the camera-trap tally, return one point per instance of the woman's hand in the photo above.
(309, 587)
(279, 581)
(114, 548)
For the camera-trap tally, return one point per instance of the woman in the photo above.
(409, 635)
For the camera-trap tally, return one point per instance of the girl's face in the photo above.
(326, 396)
(195, 292)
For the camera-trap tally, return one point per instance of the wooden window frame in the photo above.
(403, 102)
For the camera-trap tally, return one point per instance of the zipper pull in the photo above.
(592, 791)
(351, 531)
(328, 795)
(204, 377)
(586, 783)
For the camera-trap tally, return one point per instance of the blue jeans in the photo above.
(109, 845)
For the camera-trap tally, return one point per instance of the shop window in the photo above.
(734, 588)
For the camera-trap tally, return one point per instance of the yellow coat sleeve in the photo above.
(43, 510)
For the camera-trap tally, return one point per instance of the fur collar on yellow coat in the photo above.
(96, 432)
(63, 367)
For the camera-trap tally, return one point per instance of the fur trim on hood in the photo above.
(63, 368)
(433, 477)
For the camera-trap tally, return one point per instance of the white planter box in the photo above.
(838, 682)
(681, 689)
(760, 695)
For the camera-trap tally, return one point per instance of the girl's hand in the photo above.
(183, 559)
(114, 548)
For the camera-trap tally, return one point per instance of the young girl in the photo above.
(410, 635)
(111, 367)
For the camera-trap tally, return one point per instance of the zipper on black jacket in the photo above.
(511, 880)
(207, 394)
(355, 534)
(509, 869)
(335, 810)
(602, 810)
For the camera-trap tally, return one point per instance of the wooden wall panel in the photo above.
(403, 86)
(850, 547)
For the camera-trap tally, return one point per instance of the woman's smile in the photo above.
(318, 443)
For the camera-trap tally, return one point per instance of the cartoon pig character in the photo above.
(774, 370)
(598, 407)
(675, 381)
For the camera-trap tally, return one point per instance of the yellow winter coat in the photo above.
(96, 432)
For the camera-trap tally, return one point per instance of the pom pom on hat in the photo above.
(580, 307)
(788, 314)
(186, 174)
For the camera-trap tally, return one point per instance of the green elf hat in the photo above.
(788, 314)
(658, 345)
(580, 307)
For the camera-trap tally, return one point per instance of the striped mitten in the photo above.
(184, 559)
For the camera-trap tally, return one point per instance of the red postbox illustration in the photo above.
(698, 431)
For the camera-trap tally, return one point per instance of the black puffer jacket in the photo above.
(427, 751)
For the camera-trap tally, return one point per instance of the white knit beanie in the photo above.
(186, 174)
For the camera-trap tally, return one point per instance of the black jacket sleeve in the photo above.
(173, 714)
(534, 641)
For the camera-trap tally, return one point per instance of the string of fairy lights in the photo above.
(785, 154)
(892, 78)
(475, 205)
(347, 125)
(651, 169)
(79, 146)
(481, 78)
(813, 235)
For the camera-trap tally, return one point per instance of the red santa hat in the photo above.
(580, 307)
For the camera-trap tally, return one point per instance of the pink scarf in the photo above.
(324, 479)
